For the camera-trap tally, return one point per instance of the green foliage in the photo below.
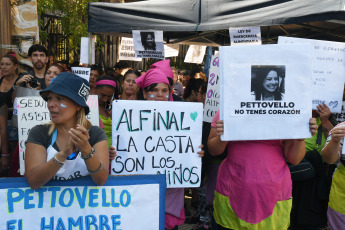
(73, 21)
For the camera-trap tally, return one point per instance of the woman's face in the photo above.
(129, 86)
(62, 109)
(52, 72)
(159, 93)
(149, 40)
(94, 75)
(105, 94)
(271, 81)
(8, 68)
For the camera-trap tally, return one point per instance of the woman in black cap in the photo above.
(68, 147)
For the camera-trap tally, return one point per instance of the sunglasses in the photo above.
(73, 155)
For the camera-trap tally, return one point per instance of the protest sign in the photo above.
(328, 71)
(79, 204)
(340, 117)
(148, 44)
(85, 50)
(33, 111)
(127, 50)
(263, 95)
(212, 94)
(195, 54)
(155, 137)
(171, 50)
(245, 36)
(83, 72)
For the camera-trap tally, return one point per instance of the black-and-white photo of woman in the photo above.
(268, 83)
(148, 40)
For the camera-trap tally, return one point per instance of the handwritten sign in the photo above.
(83, 72)
(328, 70)
(127, 50)
(155, 137)
(148, 44)
(340, 117)
(33, 111)
(264, 97)
(195, 54)
(79, 204)
(245, 36)
(212, 94)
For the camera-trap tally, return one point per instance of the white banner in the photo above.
(195, 54)
(155, 137)
(171, 50)
(148, 44)
(79, 204)
(83, 72)
(264, 94)
(212, 94)
(33, 111)
(245, 36)
(127, 50)
(328, 71)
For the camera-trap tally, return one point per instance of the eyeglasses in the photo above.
(73, 155)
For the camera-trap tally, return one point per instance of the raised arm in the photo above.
(215, 145)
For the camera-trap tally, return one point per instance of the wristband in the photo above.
(88, 156)
(97, 170)
(56, 161)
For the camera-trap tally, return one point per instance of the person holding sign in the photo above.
(332, 153)
(268, 83)
(156, 87)
(69, 147)
(105, 89)
(254, 185)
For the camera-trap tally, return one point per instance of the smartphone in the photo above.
(107, 105)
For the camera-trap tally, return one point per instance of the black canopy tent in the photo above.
(208, 21)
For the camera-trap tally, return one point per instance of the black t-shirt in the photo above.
(39, 135)
(32, 73)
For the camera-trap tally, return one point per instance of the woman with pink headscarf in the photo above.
(156, 87)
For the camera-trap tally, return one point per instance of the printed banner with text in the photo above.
(33, 111)
(132, 202)
(328, 71)
(265, 95)
(158, 137)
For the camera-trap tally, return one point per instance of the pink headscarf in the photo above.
(164, 66)
(150, 77)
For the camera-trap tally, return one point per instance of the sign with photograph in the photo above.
(127, 50)
(264, 97)
(245, 36)
(328, 71)
(158, 137)
(212, 94)
(79, 204)
(148, 44)
(33, 111)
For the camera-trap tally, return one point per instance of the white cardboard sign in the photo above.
(263, 95)
(127, 50)
(158, 137)
(328, 71)
(213, 93)
(195, 54)
(33, 111)
(83, 72)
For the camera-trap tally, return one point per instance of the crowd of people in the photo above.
(245, 184)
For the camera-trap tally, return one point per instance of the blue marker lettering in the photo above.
(28, 197)
(60, 225)
(128, 198)
(62, 196)
(11, 198)
(81, 198)
(114, 204)
(10, 224)
(90, 220)
(103, 222)
(93, 195)
(50, 226)
(115, 221)
(79, 222)
(53, 200)
(104, 198)
(40, 192)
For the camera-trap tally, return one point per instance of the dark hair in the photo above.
(13, 57)
(259, 75)
(194, 84)
(98, 68)
(37, 47)
(144, 40)
(60, 67)
(131, 71)
(121, 65)
(203, 88)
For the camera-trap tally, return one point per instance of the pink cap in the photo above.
(164, 66)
